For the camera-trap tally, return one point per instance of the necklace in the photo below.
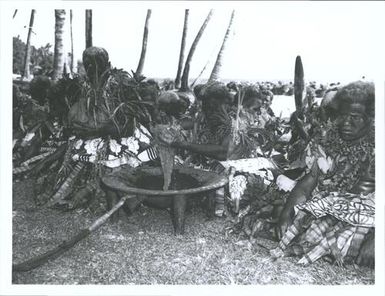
(349, 158)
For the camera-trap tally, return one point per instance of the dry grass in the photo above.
(141, 249)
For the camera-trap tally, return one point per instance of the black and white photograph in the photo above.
(192, 147)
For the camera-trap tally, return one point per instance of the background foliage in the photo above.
(40, 57)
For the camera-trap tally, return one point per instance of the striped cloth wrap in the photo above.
(338, 225)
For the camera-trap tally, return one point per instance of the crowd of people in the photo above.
(307, 182)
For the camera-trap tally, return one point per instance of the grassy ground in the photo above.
(141, 249)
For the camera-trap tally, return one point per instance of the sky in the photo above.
(337, 41)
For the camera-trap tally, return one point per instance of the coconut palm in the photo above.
(186, 70)
(59, 58)
(176, 101)
(88, 28)
(27, 56)
(218, 63)
(72, 45)
(139, 70)
(182, 48)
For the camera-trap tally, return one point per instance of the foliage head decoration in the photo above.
(96, 63)
(97, 53)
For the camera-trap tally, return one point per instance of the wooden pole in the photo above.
(66, 245)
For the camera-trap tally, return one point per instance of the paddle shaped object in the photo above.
(299, 86)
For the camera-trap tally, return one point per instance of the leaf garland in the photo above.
(119, 97)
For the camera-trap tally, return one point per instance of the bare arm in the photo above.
(216, 151)
(366, 182)
(301, 193)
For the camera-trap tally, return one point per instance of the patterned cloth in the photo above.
(259, 166)
(338, 225)
(85, 161)
(357, 210)
(130, 150)
(237, 186)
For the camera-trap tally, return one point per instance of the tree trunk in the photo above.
(14, 14)
(186, 70)
(72, 45)
(218, 63)
(200, 74)
(58, 58)
(27, 56)
(88, 28)
(182, 49)
(139, 70)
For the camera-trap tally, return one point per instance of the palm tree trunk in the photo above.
(218, 63)
(186, 70)
(88, 28)
(58, 58)
(139, 70)
(200, 74)
(27, 56)
(72, 45)
(182, 49)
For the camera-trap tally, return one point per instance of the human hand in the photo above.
(167, 135)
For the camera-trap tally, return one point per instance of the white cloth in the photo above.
(92, 146)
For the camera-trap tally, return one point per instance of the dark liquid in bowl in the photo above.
(155, 182)
(178, 181)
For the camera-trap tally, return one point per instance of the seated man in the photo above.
(104, 128)
(338, 220)
(226, 137)
(31, 123)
